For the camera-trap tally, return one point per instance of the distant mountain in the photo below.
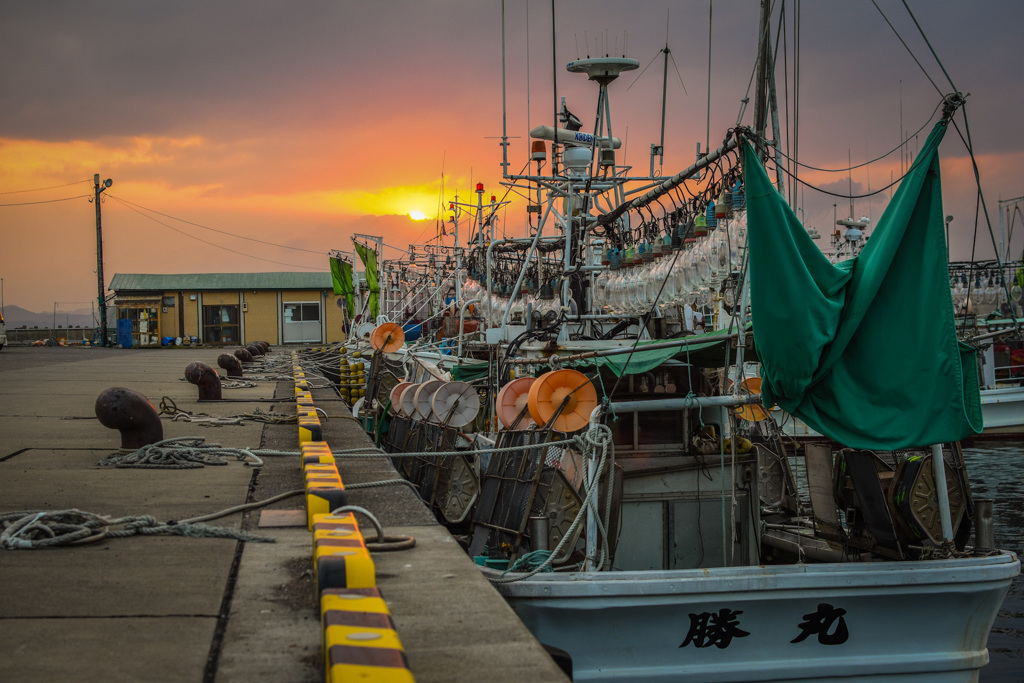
(16, 316)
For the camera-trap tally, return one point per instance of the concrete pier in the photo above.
(170, 608)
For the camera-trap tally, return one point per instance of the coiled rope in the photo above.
(47, 529)
(186, 452)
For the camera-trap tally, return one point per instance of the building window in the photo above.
(141, 327)
(302, 322)
(220, 324)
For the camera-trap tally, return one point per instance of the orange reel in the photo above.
(512, 398)
(552, 388)
(387, 337)
(752, 412)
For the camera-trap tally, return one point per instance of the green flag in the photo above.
(864, 351)
(341, 275)
(369, 258)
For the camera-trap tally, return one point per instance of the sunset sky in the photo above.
(266, 133)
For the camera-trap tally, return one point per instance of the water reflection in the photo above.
(997, 471)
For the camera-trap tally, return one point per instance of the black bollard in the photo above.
(265, 345)
(231, 364)
(243, 355)
(131, 413)
(255, 349)
(206, 378)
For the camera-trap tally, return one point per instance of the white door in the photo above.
(302, 322)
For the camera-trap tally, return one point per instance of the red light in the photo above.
(451, 205)
(480, 187)
(493, 199)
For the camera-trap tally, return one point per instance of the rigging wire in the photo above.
(909, 51)
(905, 143)
(936, 56)
(984, 208)
(840, 195)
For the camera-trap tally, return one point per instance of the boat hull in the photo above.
(1002, 410)
(906, 621)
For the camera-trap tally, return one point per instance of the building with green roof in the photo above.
(228, 309)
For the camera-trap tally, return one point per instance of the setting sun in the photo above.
(417, 215)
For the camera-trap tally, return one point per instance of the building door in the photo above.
(302, 322)
(220, 325)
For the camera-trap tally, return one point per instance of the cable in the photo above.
(223, 232)
(52, 187)
(49, 201)
(929, 44)
(853, 168)
(212, 244)
(907, 46)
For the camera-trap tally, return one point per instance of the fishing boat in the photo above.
(598, 444)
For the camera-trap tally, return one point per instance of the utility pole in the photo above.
(99, 256)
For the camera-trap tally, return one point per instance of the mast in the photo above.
(761, 72)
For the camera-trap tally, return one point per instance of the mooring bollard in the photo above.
(243, 355)
(206, 378)
(255, 349)
(131, 413)
(265, 345)
(231, 364)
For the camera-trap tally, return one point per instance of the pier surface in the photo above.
(171, 608)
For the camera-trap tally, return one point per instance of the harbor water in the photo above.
(997, 471)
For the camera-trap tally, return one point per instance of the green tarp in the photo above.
(864, 351)
(704, 350)
(468, 371)
(341, 275)
(369, 258)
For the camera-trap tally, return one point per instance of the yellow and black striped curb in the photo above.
(359, 638)
(360, 642)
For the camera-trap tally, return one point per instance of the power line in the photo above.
(214, 244)
(52, 187)
(206, 227)
(49, 201)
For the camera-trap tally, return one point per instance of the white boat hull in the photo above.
(1002, 410)
(906, 621)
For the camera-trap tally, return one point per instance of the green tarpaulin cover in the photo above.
(864, 351)
(369, 258)
(468, 371)
(705, 350)
(341, 275)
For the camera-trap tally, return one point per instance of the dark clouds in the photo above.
(79, 70)
(315, 96)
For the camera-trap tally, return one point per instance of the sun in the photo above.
(417, 215)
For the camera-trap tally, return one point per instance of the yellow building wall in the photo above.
(334, 318)
(300, 295)
(191, 309)
(168, 316)
(260, 317)
(220, 298)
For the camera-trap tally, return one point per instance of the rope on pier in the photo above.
(47, 529)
